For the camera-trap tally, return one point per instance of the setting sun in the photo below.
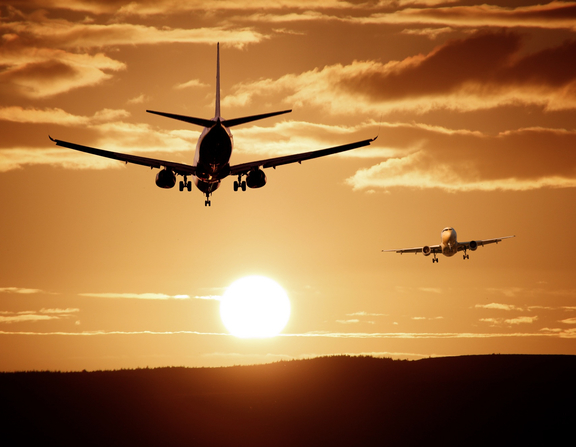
(255, 307)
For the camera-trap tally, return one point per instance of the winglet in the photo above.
(51, 138)
(217, 111)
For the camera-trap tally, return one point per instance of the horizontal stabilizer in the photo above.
(189, 119)
(247, 119)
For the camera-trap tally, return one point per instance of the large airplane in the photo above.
(449, 245)
(213, 151)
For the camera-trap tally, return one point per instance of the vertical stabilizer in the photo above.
(217, 112)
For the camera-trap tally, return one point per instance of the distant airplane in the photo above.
(213, 151)
(449, 245)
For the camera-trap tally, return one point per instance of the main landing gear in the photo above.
(239, 183)
(185, 184)
(434, 259)
(466, 256)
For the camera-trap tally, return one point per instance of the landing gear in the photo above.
(185, 184)
(239, 183)
(466, 256)
(434, 259)
(207, 201)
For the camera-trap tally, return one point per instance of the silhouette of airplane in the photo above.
(449, 245)
(213, 151)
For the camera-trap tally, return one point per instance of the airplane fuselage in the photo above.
(212, 157)
(449, 243)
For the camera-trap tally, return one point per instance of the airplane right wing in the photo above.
(472, 245)
(244, 168)
(433, 249)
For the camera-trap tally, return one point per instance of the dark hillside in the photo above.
(476, 400)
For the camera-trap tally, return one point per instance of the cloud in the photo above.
(430, 289)
(521, 320)
(150, 296)
(138, 296)
(43, 57)
(482, 71)
(58, 116)
(351, 321)
(20, 290)
(517, 320)
(138, 99)
(34, 316)
(190, 84)
(431, 33)
(554, 15)
(366, 314)
(571, 333)
(497, 306)
(569, 321)
(469, 161)
(175, 7)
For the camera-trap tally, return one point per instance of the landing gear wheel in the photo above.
(235, 186)
(243, 185)
(189, 186)
(181, 185)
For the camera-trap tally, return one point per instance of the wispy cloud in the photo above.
(366, 314)
(351, 321)
(430, 289)
(569, 321)
(190, 84)
(20, 290)
(149, 296)
(497, 306)
(44, 57)
(509, 321)
(554, 15)
(35, 316)
(58, 116)
(571, 333)
(492, 72)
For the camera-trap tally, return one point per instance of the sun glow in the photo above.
(255, 307)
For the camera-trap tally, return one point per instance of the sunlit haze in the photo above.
(474, 107)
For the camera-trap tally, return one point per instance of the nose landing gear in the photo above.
(207, 201)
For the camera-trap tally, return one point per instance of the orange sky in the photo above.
(474, 106)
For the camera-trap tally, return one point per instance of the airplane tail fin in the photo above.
(217, 115)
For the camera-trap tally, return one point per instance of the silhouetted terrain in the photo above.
(475, 400)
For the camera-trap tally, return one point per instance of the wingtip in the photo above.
(51, 138)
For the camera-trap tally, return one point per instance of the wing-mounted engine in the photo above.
(165, 179)
(426, 250)
(473, 245)
(256, 178)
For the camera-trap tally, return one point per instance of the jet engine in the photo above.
(426, 250)
(256, 178)
(473, 245)
(165, 179)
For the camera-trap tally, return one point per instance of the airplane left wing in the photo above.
(480, 243)
(178, 168)
(433, 249)
(244, 168)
